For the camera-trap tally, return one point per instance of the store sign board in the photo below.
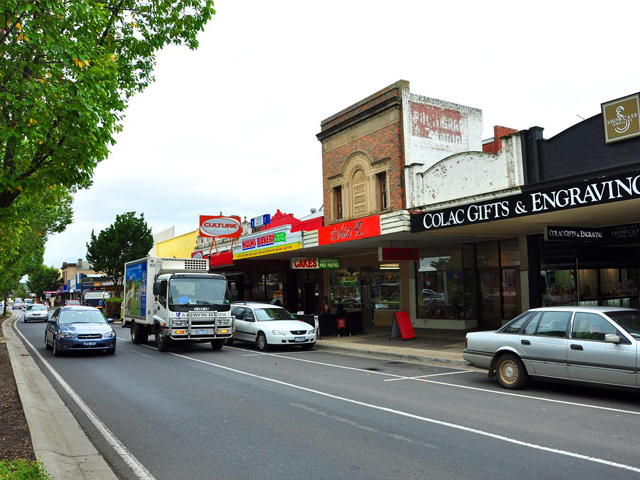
(267, 251)
(350, 230)
(387, 254)
(573, 234)
(220, 226)
(620, 118)
(314, 263)
(261, 221)
(575, 195)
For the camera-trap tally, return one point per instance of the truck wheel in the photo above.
(162, 341)
(228, 341)
(261, 342)
(217, 344)
(138, 334)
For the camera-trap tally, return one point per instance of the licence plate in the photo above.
(88, 344)
(298, 339)
(203, 331)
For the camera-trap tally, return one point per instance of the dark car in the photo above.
(78, 329)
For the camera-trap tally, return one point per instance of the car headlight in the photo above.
(311, 332)
(109, 334)
(65, 335)
(280, 332)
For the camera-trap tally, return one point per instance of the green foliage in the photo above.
(23, 470)
(112, 307)
(20, 292)
(43, 279)
(127, 239)
(67, 71)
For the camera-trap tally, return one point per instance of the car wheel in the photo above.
(217, 344)
(511, 372)
(162, 341)
(56, 350)
(308, 346)
(46, 344)
(261, 342)
(110, 351)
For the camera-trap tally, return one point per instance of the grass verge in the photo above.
(23, 470)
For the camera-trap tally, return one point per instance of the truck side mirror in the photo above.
(156, 288)
(233, 289)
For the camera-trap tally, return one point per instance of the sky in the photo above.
(231, 127)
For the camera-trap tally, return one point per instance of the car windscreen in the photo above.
(268, 314)
(37, 307)
(629, 320)
(81, 316)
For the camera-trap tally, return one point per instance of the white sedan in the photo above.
(267, 325)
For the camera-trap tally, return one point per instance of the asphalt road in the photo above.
(241, 414)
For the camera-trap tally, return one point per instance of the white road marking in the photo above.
(422, 377)
(137, 467)
(418, 417)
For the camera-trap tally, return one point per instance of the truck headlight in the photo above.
(179, 323)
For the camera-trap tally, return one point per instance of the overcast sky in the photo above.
(231, 126)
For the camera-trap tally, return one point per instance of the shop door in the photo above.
(366, 299)
(490, 317)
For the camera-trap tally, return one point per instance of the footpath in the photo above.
(66, 451)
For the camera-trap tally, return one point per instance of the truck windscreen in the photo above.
(198, 291)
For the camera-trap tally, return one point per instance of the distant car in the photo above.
(78, 328)
(72, 302)
(36, 312)
(595, 345)
(267, 325)
(17, 306)
(434, 299)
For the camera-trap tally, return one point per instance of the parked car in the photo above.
(268, 325)
(78, 328)
(595, 345)
(36, 312)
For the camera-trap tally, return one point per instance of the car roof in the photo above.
(75, 308)
(578, 308)
(256, 304)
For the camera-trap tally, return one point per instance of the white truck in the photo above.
(176, 300)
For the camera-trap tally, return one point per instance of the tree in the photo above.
(127, 239)
(68, 69)
(44, 279)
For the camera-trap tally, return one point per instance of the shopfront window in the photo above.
(386, 290)
(344, 288)
(440, 283)
(267, 287)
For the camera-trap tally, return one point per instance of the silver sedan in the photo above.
(596, 345)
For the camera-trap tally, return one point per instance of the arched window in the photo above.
(359, 193)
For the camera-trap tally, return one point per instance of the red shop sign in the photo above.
(388, 254)
(342, 323)
(351, 230)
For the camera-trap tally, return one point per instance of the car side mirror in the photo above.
(53, 320)
(611, 338)
(109, 320)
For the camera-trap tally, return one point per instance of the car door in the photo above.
(544, 343)
(49, 331)
(592, 359)
(244, 324)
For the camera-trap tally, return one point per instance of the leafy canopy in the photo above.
(67, 71)
(127, 239)
(44, 279)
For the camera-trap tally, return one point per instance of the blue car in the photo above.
(78, 329)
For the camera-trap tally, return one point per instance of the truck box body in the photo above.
(177, 298)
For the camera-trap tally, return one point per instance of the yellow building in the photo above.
(181, 246)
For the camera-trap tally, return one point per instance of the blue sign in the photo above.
(261, 221)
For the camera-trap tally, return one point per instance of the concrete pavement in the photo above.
(66, 451)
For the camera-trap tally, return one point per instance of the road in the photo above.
(241, 414)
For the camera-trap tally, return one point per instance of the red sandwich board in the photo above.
(401, 326)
